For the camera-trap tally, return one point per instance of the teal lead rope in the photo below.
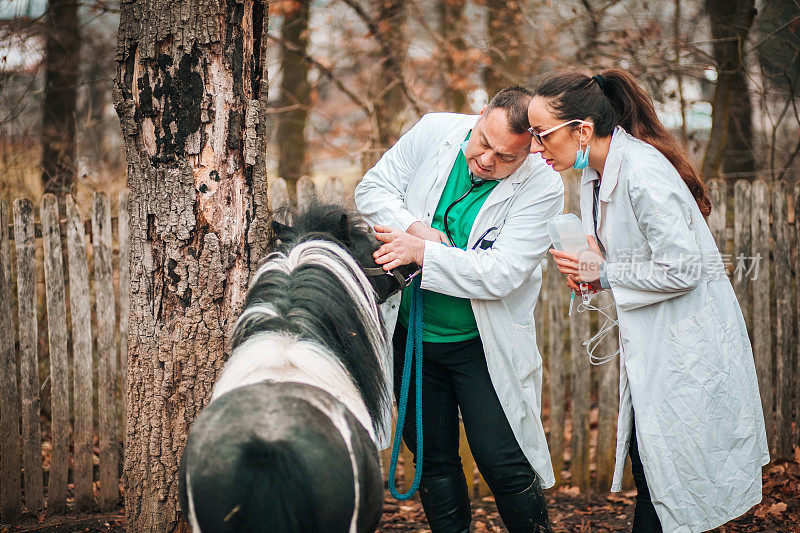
(413, 350)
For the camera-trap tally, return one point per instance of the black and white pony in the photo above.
(288, 441)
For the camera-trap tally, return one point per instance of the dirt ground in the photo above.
(570, 511)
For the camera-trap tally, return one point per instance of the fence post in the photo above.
(306, 191)
(716, 221)
(742, 251)
(106, 352)
(581, 373)
(581, 400)
(81, 355)
(333, 190)
(796, 362)
(761, 327)
(123, 301)
(59, 373)
(783, 322)
(608, 400)
(10, 464)
(467, 461)
(369, 157)
(25, 241)
(556, 292)
(278, 199)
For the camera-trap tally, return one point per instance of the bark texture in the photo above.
(730, 146)
(504, 24)
(61, 60)
(295, 95)
(392, 95)
(190, 91)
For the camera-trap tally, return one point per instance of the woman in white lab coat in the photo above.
(690, 414)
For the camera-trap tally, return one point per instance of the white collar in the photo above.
(612, 167)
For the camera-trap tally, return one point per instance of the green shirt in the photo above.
(447, 318)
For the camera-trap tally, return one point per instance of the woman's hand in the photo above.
(399, 248)
(581, 268)
(573, 284)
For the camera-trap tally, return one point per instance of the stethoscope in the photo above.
(474, 182)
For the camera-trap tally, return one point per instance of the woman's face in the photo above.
(558, 148)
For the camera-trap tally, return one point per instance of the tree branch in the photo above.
(386, 51)
(365, 106)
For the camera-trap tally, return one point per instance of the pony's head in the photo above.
(346, 228)
(321, 283)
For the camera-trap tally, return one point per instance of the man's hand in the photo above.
(427, 233)
(399, 248)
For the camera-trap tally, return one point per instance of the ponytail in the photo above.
(614, 98)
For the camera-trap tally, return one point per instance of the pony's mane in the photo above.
(313, 289)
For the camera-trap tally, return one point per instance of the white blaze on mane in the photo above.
(340, 263)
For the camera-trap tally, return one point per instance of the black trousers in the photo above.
(645, 519)
(455, 375)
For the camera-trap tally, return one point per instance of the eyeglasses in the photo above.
(538, 135)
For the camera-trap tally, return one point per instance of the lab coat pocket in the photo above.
(527, 359)
(697, 345)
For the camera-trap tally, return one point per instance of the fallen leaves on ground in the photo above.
(570, 511)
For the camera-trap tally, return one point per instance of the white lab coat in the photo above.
(502, 282)
(686, 365)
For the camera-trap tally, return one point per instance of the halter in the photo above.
(404, 281)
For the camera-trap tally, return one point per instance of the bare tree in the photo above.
(777, 47)
(504, 24)
(61, 61)
(452, 25)
(390, 94)
(295, 95)
(730, 144)
(190, 91)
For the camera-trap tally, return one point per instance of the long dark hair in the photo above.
(614, 98)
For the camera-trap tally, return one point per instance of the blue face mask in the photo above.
(581, 159)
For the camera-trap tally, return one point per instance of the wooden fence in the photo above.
(580, 401)
(66, 476)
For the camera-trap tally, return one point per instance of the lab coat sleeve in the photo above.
(381, 193)
(521, 244)
(670, 270)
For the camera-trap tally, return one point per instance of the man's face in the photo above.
(493, 151)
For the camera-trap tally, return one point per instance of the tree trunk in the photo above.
(61, 60)
(390, 100)
(504, 25)
(730, 143)
(452, 25)
(295, 93)
(191, 94)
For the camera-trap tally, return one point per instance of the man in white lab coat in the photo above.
(459, 196)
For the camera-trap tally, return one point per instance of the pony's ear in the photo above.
(280, 230)
(343, 231)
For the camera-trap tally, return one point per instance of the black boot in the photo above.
(526, 511)
(446, 503)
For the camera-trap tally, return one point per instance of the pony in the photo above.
(288, 442)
